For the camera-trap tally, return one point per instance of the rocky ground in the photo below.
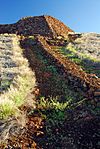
(61, 104)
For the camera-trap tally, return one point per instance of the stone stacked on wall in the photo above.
(8, 28)
(34, 25)
(58, 28)
(38, 25)
(76, 77)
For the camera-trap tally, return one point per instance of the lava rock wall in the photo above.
(76, 77)
(41, 25)
(58, 28)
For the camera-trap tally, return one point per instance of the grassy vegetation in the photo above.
(15, 96)
(59, 117)
(84, 61)
(81, 55)
(7, 108)
(12, 99)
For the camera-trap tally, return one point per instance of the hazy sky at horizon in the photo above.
(79, 15)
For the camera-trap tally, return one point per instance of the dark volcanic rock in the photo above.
(39, 25)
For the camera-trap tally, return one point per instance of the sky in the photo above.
(79, 15)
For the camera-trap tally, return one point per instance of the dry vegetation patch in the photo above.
(22, 82)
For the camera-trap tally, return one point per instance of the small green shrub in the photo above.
(53, 103)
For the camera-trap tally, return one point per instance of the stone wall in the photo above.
(42, 25)
(76, 77)
(34, 25)
(58, 28)
(8, 28)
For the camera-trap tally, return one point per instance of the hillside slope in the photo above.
(16, 82)
(49, 86)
